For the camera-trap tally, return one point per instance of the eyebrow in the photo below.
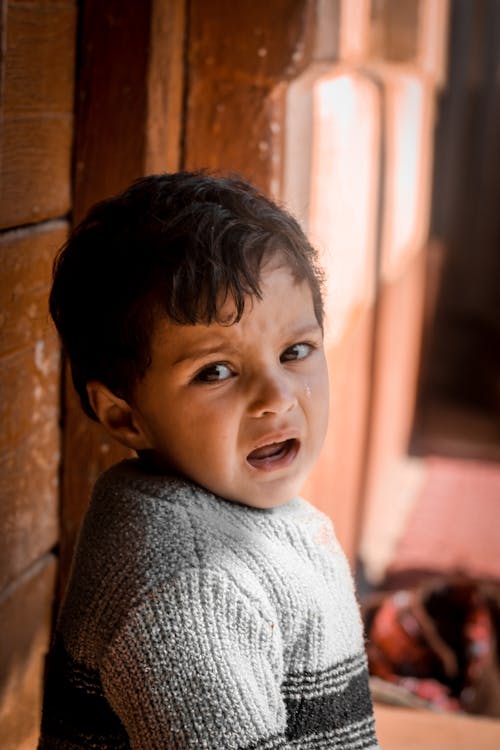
(204, 351)
(223, 346)
(312, 327)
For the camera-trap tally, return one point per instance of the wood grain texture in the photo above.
(29, 398)
(25, 614)
(35, 162)
(111, 101)
(128, 110)
(29, 392)
(260, 43)
(29, 513)
(165, 86)
(37, 111)
(25, 277)
(36, 121)
(39, 70)
(238, 69)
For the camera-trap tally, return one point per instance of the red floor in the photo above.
(455, 522)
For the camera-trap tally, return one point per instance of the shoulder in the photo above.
(155, 519)
(141, 534)
(129, 492)
(132, 480)
(155, 526)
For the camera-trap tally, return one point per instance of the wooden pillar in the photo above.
(241, 56)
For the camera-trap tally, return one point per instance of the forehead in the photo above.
(285, 308)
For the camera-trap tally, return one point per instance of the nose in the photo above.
(272, 393)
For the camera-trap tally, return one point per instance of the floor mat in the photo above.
(455, 522)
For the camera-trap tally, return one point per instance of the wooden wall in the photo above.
(37, 73)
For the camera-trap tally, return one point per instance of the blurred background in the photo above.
(377, 123)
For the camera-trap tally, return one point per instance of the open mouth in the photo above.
(274, 455)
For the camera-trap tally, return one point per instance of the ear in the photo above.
(117, 416)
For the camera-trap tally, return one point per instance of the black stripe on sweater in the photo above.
(330, 712)
(75, 708)
(278, 742)
(335, 678)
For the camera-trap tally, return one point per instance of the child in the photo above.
(209, 606)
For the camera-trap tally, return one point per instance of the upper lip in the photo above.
(280, 436)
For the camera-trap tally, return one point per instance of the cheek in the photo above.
(318, 395)
(210, 423)
(318, 385)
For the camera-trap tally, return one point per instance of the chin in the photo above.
(271, 499)
(270, 503)
(265, 493)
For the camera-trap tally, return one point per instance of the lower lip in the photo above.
(279, 460)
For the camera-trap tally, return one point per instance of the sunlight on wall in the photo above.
(409, 144)
(344, 193)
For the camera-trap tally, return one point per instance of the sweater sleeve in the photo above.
(198, 664)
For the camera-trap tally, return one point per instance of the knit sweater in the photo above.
(194, 622)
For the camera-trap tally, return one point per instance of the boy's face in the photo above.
(241, 409)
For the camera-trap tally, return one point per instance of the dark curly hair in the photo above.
(171, 245)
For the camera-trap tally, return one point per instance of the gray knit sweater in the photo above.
(194, 622)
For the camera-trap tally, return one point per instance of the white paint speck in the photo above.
(299, 53)
(40, 361)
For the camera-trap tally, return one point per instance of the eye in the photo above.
(214, 373)
(295, 352)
